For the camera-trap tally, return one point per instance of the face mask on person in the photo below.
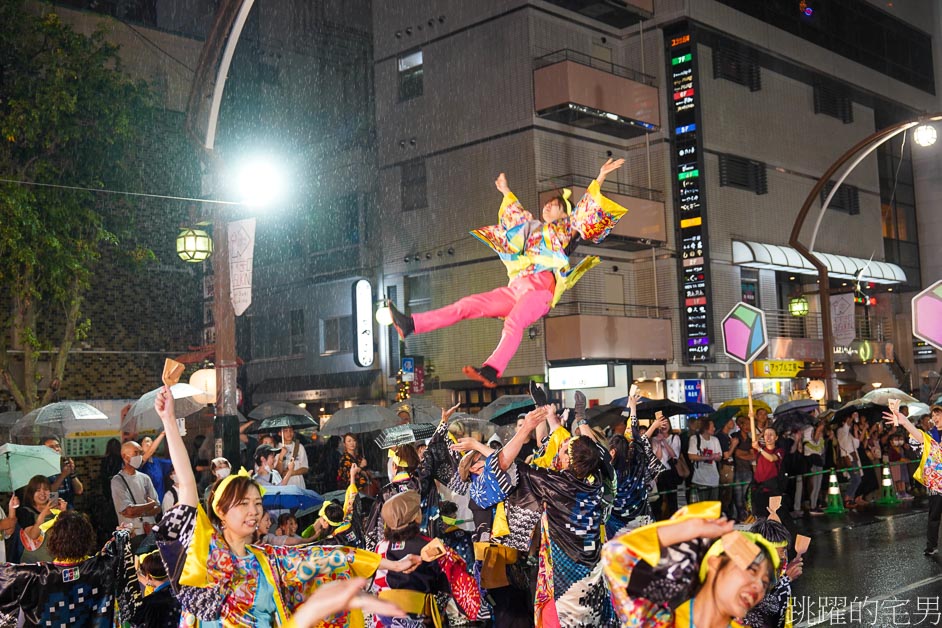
(136, 461)
(223, 472)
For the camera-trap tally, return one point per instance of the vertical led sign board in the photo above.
(689, 198)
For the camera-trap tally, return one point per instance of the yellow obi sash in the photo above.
(414, 602)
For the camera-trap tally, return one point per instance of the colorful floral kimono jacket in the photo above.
(653, 586)
(570, 590)
(929, 471)
(86, 593)
(528, 246)
(212, 585)
(439, 463)
(633, 483)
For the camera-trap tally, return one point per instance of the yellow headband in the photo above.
(323, 513)
(566, 193)
(717, 548)
(223, 483)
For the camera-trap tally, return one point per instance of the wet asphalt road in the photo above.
(867, 568)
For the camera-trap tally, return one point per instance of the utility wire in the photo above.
(119, 192)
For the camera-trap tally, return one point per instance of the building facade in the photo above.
(726, 112)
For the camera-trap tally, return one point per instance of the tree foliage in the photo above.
(67, 118)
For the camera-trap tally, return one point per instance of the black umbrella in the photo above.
(867, 409)
(607, 415)
(792, 420)
(275, 423)
(647, 407)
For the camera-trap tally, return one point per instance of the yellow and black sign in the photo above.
(777, 368)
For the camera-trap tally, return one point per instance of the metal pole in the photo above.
(217, 54)
(824, 290)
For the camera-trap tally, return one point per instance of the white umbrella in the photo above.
(359, 419)
(278, 408)
(143, 417)
(882, 396)
(60, 419)
(917, 409)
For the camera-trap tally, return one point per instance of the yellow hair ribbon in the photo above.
(323, 513)
(220, 489)
(394, 457)
(566, 193)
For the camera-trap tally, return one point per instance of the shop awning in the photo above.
(775, 257)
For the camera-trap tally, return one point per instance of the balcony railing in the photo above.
(595, 308)
(619, 14)
(599, 64)
(781, 324)
(578, 180)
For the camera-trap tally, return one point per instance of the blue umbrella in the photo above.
(699, 408)
(290, 498)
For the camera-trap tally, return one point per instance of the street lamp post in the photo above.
(217, 54)
(860, 150)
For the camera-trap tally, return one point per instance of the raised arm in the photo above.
(187, 492)
(150, 451)
(510, 451)
(607, 168)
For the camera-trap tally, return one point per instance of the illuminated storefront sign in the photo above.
(363, 323)
(783, 369)
(689, 201)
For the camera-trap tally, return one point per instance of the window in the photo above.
(749, 279)
(742, 173)
(410, 75)
(413, 186)
(737, 66)
(336, 335)
(857, 31)
(297, 332)
(847, 198)
(829, 100)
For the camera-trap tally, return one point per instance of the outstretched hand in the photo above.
(609, 167)
(339, 596)
(446, 414)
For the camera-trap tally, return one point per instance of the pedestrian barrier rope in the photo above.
(789, 476)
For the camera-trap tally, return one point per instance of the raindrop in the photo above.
(412, 141)
(441, 19)
(398, 34)
(406, 260)
(451, 251)
(428, 256)
(418, 259)
(431, 23)
(402, 143)
(409, 31)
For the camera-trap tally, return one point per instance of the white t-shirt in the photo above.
(300, 462)
(3, 546)
(272, 478)
(705, 472)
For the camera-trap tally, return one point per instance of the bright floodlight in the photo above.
(259, 182)
(925, 135)
(384, 316)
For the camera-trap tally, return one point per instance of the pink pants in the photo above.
(522, 303)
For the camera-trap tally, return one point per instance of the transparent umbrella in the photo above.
(421, 410)
(60, 419)
(359, 419)
(882, 396)
(143, 417)
(404, 434)
(277, 408)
